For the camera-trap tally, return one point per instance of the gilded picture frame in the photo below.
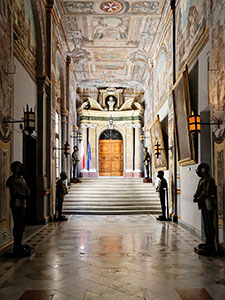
(182, 110)
(156, 135)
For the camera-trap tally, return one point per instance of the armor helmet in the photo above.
(202, 170)
(63, 175)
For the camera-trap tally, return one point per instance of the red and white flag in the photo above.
(82, 157)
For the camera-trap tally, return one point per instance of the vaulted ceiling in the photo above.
(110, 41)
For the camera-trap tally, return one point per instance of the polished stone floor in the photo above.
(112, 257)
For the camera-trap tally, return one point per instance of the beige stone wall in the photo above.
(217, 103)
(6, 101)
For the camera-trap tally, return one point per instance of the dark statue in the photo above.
(146, 161)
(206, 198)
(61, 191)
(19, 192)
(75, 161)
(162, 189)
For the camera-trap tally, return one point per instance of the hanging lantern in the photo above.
(142, 136)
(157, 149)
(79, 136)
(110, 122)
(66, 149)
(194, 124)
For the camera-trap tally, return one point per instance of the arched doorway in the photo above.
(110, 153)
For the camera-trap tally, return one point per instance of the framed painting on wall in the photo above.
(160, 163)
(182, 110)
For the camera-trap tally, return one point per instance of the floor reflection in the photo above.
(119, 257)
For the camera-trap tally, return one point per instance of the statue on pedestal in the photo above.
(206, 197)
(61, 191)
(19, 193)
(162, 190)
(146, 161)
(75, 161)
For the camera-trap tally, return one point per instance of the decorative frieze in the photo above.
(6, 68)
(25, 46)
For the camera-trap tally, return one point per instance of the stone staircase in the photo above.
(111, 196)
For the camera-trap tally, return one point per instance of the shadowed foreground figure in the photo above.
(161, 189)
(18, 195)
(61, 191)
(206, 198)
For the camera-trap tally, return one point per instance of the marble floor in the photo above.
(112, 257)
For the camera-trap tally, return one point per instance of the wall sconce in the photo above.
(110, 122)
(195, 123)
(28, 120)
(158, 149)
(79, 136)
(142, 136)
(66, 149)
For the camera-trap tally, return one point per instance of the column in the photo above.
(84, 150)
(50, 139)
(129, 151)
(138, 172)
(68, 125)
(43, 186)
(64, 124)
(92, 139)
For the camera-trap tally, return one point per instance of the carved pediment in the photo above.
(131, 104)
(90, 104)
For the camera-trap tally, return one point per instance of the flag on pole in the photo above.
(89, 156)
(82, 157)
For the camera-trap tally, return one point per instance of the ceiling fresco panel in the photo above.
(110, 40)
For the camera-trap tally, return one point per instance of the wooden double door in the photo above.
(110, 157)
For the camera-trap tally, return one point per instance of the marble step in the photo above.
(110, 185)
(112, 212)
(111, 200)
(112, 196)
(116, 194)
(113, 204)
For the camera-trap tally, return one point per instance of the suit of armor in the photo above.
(19, 192)
(205, 196)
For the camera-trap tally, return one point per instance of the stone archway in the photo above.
(110, 153)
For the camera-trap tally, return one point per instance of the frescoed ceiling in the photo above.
(110, 41)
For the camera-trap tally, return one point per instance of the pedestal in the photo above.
(147, 180)
(75, 180)
(204, 250)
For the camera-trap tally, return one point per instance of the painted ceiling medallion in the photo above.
(111, 7)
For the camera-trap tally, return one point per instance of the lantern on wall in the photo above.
(29, 120)
(194, 123)
(79, 136)
(66, 149)
(142, 136)
(157, 149)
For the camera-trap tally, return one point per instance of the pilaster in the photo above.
(129, 151)
(64, 124)
(43, 186)
(68, 129)
(138, 172)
